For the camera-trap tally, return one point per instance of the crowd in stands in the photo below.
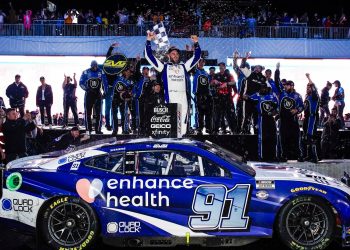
(205, 13)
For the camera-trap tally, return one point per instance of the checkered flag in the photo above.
(162, 39)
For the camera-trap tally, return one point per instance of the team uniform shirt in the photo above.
(121, 88)
(201, 83)
(94, 81)
(311, 104)
(289, 101)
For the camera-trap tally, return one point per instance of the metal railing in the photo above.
(58, 28)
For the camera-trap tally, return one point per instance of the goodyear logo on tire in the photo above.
(114, 64)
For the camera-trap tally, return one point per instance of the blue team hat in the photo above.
(93, 63)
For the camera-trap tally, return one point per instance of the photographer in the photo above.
(34, 137)
(14, 130)
(329, 138)
(69, 139)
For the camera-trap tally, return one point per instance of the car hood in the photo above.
(272, 171)
(30, 162)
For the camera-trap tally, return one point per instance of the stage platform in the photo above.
(245, 145)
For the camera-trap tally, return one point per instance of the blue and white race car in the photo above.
(168, 192)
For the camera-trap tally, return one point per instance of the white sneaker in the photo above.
(50, 126)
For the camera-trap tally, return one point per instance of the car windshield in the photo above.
(228, 156)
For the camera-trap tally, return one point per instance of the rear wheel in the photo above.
(306, 223)
(69, 223)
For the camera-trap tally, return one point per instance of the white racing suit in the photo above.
(175, 77)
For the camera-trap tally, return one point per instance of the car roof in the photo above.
(183, 141)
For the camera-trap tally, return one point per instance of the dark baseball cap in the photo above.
(75, 128)
(336, 81)
(171, 49)
(291, 83)
(41, 77)
(17, 76)
(9, 110)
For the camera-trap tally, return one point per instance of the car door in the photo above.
(146, 194)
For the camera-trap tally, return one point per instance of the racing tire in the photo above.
(306, 223)
(68, 223)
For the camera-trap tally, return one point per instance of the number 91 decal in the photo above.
(217, 208)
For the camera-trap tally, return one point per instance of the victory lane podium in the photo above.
(164, 121)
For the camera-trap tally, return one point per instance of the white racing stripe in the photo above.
(170, 227)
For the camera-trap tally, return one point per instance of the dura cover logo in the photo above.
(89, 191)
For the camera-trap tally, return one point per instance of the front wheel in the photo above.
(306, 223)
(69, 222)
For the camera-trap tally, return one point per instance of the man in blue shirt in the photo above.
(92, 81)
(311, 105)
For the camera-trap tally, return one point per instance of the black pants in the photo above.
(324, 110)
(42, 107)
(267, 138)
(134, 116)
(223, 109)
(92, 100)
(340, 110)
(72, 104)
(120, 106)
(142, 116)
(249, 116)
(290, 140)
(203, 112)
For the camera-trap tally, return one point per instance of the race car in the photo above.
(168, 192)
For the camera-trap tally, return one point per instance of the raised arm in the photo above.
(158, 65)
(64, 81)
(75, 81)
(109, 52)
(82, 82)
(235, 65)
(243, 67)
(196, 56)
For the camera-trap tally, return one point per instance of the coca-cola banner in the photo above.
(164, 121)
